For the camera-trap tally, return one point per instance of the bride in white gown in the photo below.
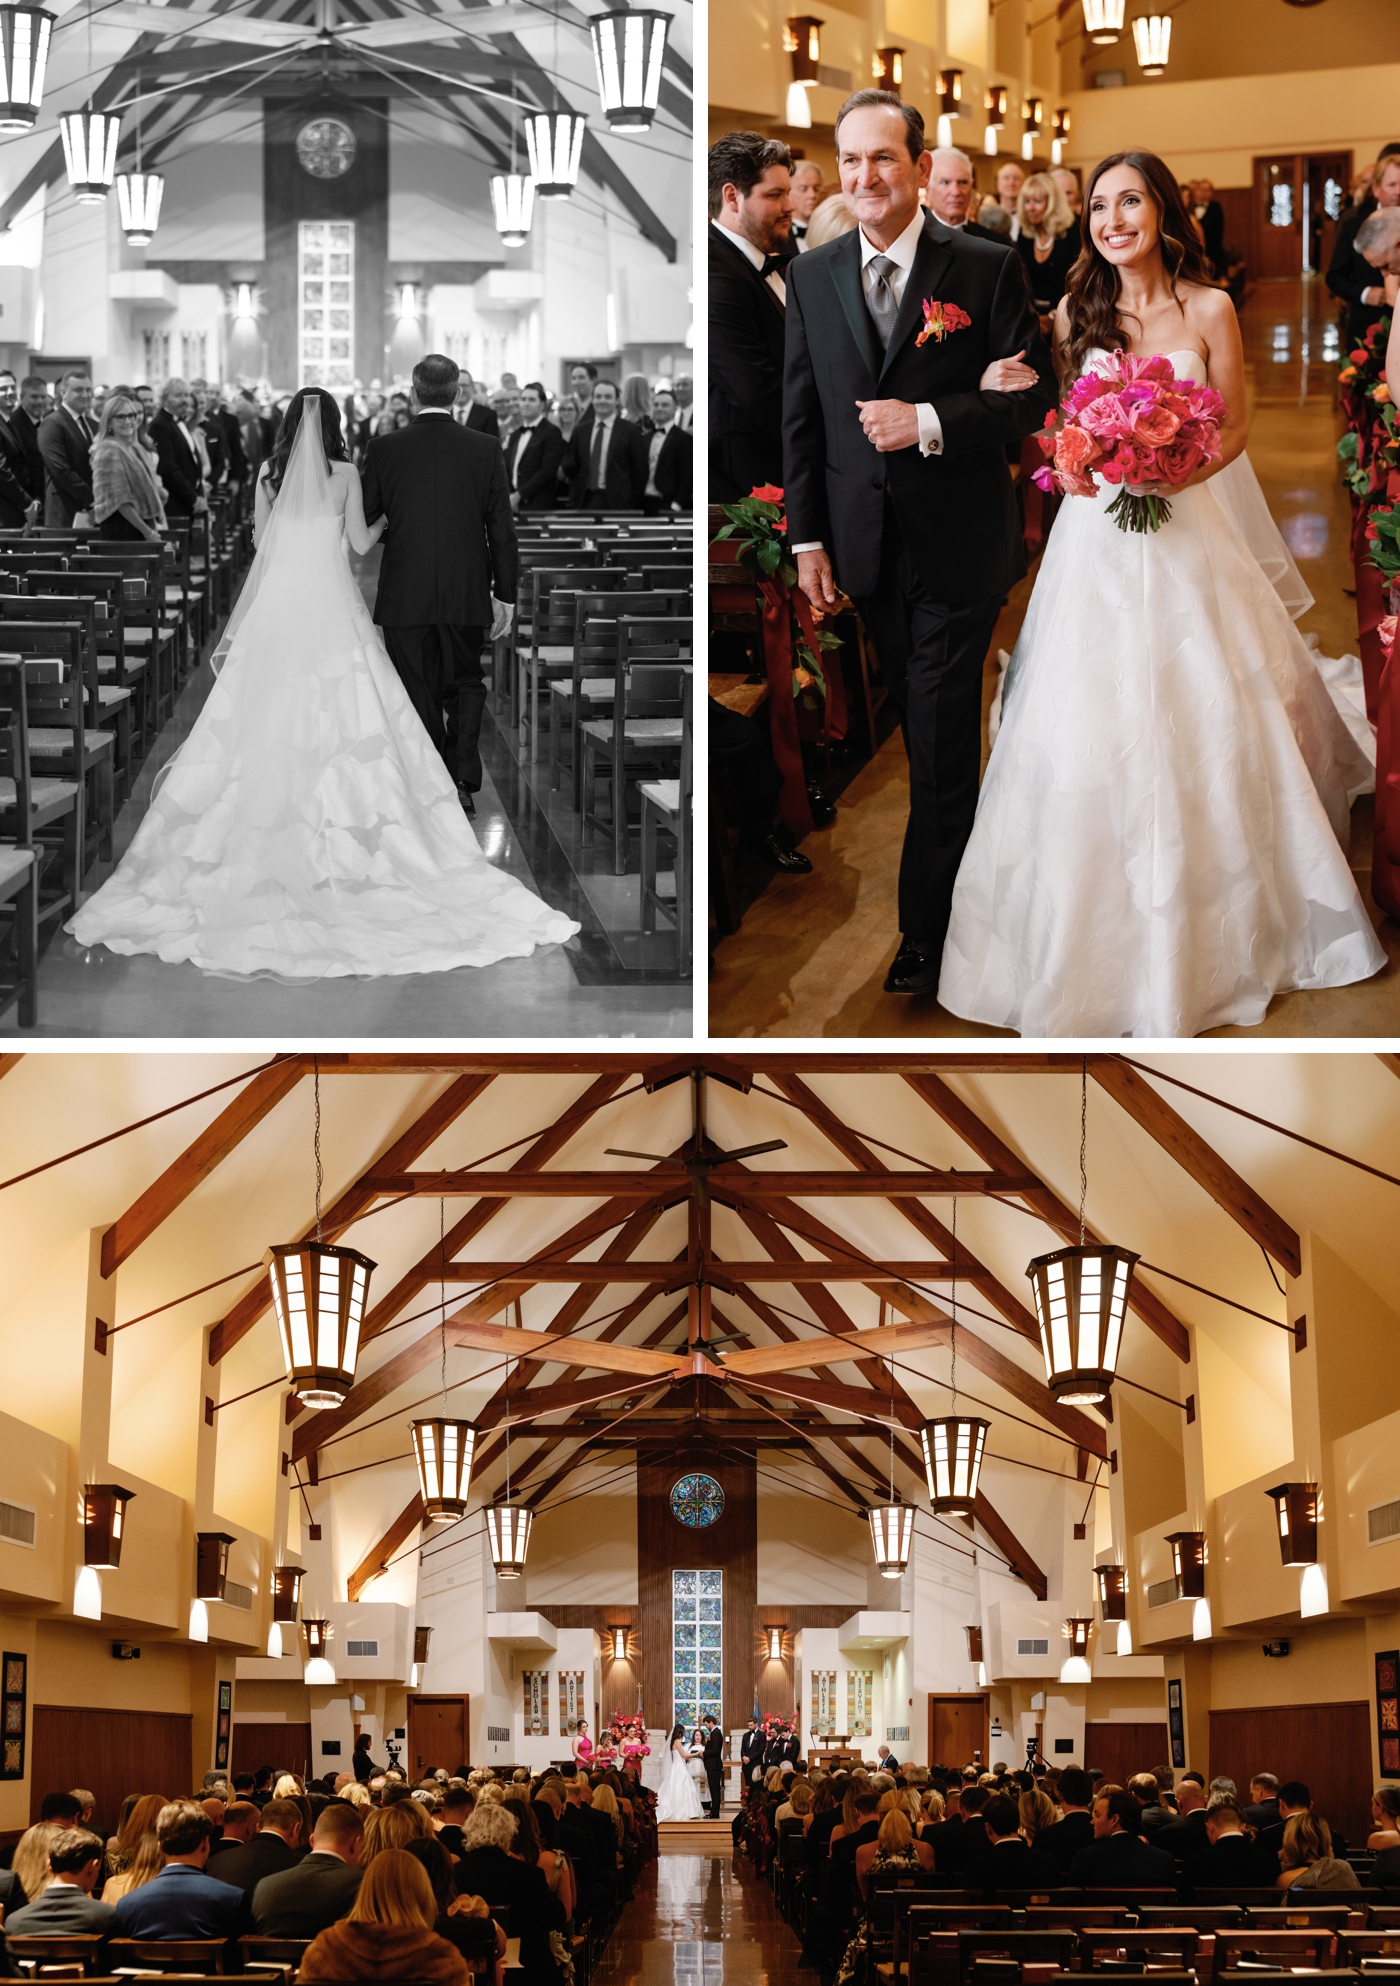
(679, 1798)
(1159, 842)
(307, 828)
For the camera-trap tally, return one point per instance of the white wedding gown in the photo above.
(679, 1799)
(1159, 841)
(307, 828)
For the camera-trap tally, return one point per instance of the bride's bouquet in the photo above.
(1133, 423)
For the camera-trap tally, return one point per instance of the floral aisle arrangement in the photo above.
(1137, 426)
(1370, 452)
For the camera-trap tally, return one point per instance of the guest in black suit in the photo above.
(534, 452)
(1294, 1798)
(22, 437)
(177, 459)
(670, 457)
(898, 490)
(276, 1846)
(65, 442)
(806, 195)
(952, 190)
(241, 1819)
(300, 1902)
(750, 220)
(1076, 1830)
(1116, 1858)
(1186, 1835)
(1232, 1860)
(960, 1839)
(1206, 209)
(448, 579)
(15, 498)
(714, 1765)
(1349, 276)
(1262, 1810)
(606, 462)
(470, 412)
(1009, 1863)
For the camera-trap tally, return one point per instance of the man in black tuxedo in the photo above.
(534, 451)
(670, 456)
(751, 1750)
(951, 188)
(448, 579)
(606, 459)
(714, 1765)
(177, 459)
(22, 439)
(1232, 1860)
(898, 490)
(750, 221)
(1350, 276)
(16, 502)
(65, 442)
(806, 195)
(960, 1839)
(473, 413)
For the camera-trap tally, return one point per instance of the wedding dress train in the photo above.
(1159, 839)
(679, 1799)
(307, 828)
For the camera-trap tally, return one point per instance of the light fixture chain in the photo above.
(442, 1292)
(954, 1305)
(1083, 1140)
(316, 1139)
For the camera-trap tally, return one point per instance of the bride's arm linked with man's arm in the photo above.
(363, 537)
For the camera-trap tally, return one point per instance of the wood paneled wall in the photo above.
(1326, 1745)
(110, 1753)
(775, 1679)
(664, 1546)
(1120, 1750)
(252, 1746)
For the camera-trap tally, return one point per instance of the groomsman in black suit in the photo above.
(534, 451)
(606, 462)
(16, 499)
(898, 490)
(177, 459)
(751, 1749)
(670, 454)
(65, 442)
(23, 431)
(473, 413)
(750, 222)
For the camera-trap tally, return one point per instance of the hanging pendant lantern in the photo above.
(138, 199)
(24, 55)
(629, 45)
(211, 1564)
(1103, 21)
(319, 1295)
(508, 1534)
(104, 1519)
(887, 69)
(891, 1530)
(1032, 112)
(89, 152)
(950, 92)
(513, 203)
(444, 1453)
(1189, 1559)
(1112, 1582)
(1081, 1295)
(953, 1462)
(1296, 1509)
(1152, 38)
(319, 1669)
(286, 1591)
(554, 141)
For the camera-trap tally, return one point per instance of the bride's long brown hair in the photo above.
(1093, 287)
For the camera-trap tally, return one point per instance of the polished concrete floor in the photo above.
(812, 951)
(608, 981)
(693, 1922)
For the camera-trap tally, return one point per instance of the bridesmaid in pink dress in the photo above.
(583, 1746)
(634, 1745)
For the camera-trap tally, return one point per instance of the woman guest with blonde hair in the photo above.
(389, 1932)
(1048, 242)
(829, 221)
(1037, 1811)
(128, 501)
(31, 1858)
(636, 401)
(394, 1827)
(1306, 1860)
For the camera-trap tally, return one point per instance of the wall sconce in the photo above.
(887, 68)
(996, 119)
(408, 302)
(950, 92)
(775, 1643)
(1031, 113)
(1059, 137)
(1189, 1563)
(1297, 1511)
(243, 302)
(1112, 1581)
(104, 1519)
(319, 1669)
(286, 1591)
(802, 40)
(211, 1564)
(974, 1644)
(421, 1638)
(1075, 1668)
(619, 1643)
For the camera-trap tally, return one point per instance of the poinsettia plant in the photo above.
(758, 525)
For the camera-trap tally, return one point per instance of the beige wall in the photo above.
(1246, 38)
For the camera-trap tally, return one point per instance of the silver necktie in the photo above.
(880, 301)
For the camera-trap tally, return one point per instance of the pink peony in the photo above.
(1075, 450)
(1105, 416)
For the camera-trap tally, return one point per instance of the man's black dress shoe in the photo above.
(468, 800)
(777, 846)
(915, 969)
(823, 813)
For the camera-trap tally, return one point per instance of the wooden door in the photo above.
(1120, 1750)
(438, 1732)
(1326, 1745)
(111, 1753)
(285, 1747)
(1326, 181)
(1276, 243)
(957, 1729)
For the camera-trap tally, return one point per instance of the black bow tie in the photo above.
(772, 265)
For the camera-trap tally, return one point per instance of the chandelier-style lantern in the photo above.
(1297, 1513)
(1112, 1582)
(513, 204)
(1081, 1295)
(508, 1535)
(90, 153)
(953, 1462)
(1152, 38)
(139, 196)
(891, 1531)
(1189, 1560)
(887, 69)
(104, 1520)
(286, 1592)
(554, 142)
(443, 1450)
(1103, 21)
(629, 45)
(319, 1293)
(24, 55)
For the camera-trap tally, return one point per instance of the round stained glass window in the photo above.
(697, 1502)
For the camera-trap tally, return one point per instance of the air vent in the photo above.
(237, 1596)
(1163, 1593)
(362, 1650)
(17, 1524)
(497, 1734)
(1032, 1645)
(1382, 1523)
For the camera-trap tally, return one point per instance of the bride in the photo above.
(1159, 842)
(679, 1799)
(307, 828)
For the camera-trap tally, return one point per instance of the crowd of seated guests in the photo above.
(379, 1879)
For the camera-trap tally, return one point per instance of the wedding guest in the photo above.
(534, 452)
(388, 1932)
(582, 376)
(176, 454)
(208, 436)
(670, 452)
(831, 219)
(1306, 1860)
(1349, 276)
(505, 404)
(951, 185)
(65, 442)
(22, 439)
(685, 396)
(994, 221)
(182, 1901)
(606, 461)
(1068, 183)
(66, 1907)
(1009, 178)
(750, 211)
(1208, 212)
(470, 412)
(1048, 242)
(806, 194)
(636, 401)
(126, 495)
(16, 501)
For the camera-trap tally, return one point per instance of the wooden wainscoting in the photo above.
(111, 1753)
(285, 1747)
(1120, 1750)
(1326, 1745)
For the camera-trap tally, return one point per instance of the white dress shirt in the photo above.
(656, 442)
(757, 258)
(901, 252)
(526, 429)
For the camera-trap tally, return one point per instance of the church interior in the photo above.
(508, 1457)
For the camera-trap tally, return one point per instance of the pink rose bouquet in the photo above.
(1132, 423)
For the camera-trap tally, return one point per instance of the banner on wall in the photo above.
(16, 1680)
(223, 1727)
(536, 1702)
(1176, 1722)
(1387, 1712)
(860, 1703)
(571, 1703)
(824, 1702)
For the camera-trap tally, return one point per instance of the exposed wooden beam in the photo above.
(801, 1271)
(1205, 1165)
(8, 1062)
(570, 1061)
(420, 1135)
(1157, 1316)
(596, 1185)
(232, 1125)
(373, 1562)
(1392, 1062)
(1010, 1546)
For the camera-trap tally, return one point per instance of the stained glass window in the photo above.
(697, 1630)
(697, 1501)
(326, 276)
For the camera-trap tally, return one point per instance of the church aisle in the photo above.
(695, 1921)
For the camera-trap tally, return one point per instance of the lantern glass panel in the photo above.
(891, 1529)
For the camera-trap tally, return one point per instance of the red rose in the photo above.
(1179, 459)
(767, 493)
(1360, 355)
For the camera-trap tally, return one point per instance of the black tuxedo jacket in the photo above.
(450, 545)
(245, 1865)
(533, 456)
(1213, 228)
(955, 510)
(483, 419)
(714, 1747)
(1065, 1839)
(1348, 274)
(675, 475)
(21, 442)
(300, 1902)
(234, 452)
(15, 496)
(176, 463)
(746, 372)
(1011, 1865)
(751, 1749)
(67, 453)
(624, 471)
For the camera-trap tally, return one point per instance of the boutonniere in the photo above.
(940, 319)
